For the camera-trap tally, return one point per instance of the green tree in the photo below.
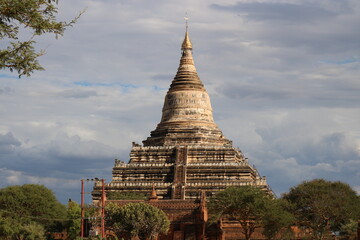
(32, 18)
(246, 204)
(136, 220)
(13, 229)
(349, 230)
(32, 231)
(30, 204)
(323, 206)
(74, 220)
(9, 227)
(277, 219)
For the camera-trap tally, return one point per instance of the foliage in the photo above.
(276, 219)
(137, 220)
(31, 18)
(29, 206)
(32, 231)
(11, 229)
(74, 220)
(247, 204)
(349, 230)
(8, 227)
(73, 223)
(125, 196)
(323, 206)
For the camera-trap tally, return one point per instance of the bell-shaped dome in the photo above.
(187, 113)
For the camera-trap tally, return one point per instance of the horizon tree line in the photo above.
(321, 209)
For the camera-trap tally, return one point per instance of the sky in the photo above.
(283, 78)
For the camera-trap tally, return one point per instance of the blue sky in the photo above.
(283, 77)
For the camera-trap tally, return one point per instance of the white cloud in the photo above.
(284, 87)
(357, 189)
(63, 187)
(17, 178)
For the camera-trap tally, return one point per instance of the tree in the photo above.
(74, 220)
(349, 230)
(30, 205)
(32, 231)
(11, 229)
(323, 206)
(277, 219)
(34, 18)
(136, 220)
(246, 204)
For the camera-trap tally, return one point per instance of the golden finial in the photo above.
(186, 43)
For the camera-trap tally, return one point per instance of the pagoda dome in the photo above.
(187, 117)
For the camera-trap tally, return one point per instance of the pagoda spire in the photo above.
(187, 117)
(186, 76)
(186, 43)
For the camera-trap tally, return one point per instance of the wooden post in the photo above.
(82, 209)
(103, 208)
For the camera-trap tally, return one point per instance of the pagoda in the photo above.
(187, 154)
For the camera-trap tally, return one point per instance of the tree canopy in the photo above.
(323, 206)
(73, 223)
(11, 229)
(29, 209)
(277, 219)
(250, 206)
(136, 220)
(34, 18)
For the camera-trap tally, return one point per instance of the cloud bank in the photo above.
(283, 77)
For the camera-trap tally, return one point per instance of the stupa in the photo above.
(187, 153)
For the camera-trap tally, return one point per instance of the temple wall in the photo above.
(183, 172)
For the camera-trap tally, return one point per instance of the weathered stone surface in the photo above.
(187, 113)
(187, 152)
